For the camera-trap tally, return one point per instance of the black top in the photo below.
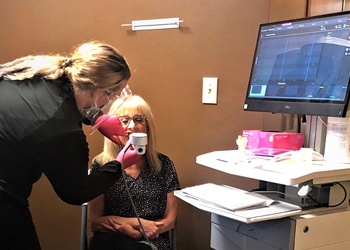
(149, 192)
(41, 132)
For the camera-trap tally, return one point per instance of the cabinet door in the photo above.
(266, 235)
(324, 230)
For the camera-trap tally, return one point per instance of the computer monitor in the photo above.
(302, 66)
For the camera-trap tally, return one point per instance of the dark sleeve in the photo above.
(65, 160)
(169, 174)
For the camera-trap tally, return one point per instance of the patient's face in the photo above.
(133, 122)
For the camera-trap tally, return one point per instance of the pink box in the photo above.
(257, 139)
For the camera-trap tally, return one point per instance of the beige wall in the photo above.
(216, 39)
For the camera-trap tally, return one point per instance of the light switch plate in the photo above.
(210, 90)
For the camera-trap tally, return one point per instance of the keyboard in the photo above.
(226, 197)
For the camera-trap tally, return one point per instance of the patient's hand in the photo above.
(130, 231)
(151, 228)
(113, 225)
(131, 227)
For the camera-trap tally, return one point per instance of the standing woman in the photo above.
(42, 99)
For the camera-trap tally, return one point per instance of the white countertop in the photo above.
(284, 172)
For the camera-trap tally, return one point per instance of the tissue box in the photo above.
(257, 139)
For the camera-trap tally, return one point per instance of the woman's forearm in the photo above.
(101, 224)
(168, 224)
(113, 223)
(116, 224)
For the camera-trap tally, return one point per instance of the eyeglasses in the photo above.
(137, 119)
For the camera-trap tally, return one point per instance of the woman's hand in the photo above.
(131, 227)
(130, 231)
(113, 224)
(151, 228)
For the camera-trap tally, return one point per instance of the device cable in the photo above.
(336, 205)
(132, 202)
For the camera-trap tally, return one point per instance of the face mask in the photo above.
(90, 115)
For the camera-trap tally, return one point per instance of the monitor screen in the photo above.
(302, 67)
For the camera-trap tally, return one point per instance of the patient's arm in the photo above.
(129, 226)
(170, 214)
(100, 223)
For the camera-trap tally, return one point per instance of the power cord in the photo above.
(309, 196)
(345, 195)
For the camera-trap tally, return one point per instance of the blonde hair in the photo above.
(111, 150)
(92, 65)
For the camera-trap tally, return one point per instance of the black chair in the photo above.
(173, 239)
(83, 234)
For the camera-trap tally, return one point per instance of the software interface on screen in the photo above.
(306, 59)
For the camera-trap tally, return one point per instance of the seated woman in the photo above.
(151, 181)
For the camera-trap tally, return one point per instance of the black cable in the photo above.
(131, 200)
(299, 123)
(320, 204)
(345, 195)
